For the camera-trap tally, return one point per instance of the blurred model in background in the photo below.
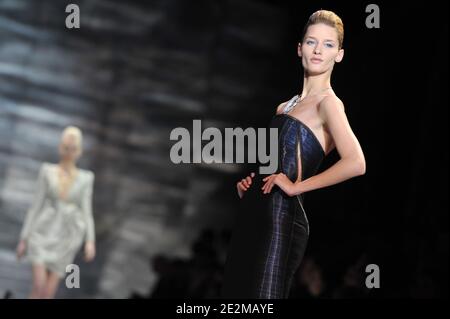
(60, 220)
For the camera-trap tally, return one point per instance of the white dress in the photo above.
(55, 228)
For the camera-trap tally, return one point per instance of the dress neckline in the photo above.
(70, 187)
(307, 128)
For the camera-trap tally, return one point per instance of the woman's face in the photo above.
(69, 149)
(320, 49)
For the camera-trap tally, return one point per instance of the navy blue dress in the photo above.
(271, 230)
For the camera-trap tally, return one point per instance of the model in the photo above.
(267, 248)
(60, 218)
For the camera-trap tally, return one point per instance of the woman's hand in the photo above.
(21, 247)
(89, 251)
(281, 180)
(244, 184)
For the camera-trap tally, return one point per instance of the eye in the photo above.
(329, 45)
(309, 42)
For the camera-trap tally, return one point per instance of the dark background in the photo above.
(137, 69)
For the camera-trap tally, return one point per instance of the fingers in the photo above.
(242, 185)
(269, 189)
(267, 180)
(249, 180)
(265, 184)
(270, 182)
(266, 187)
(245, 183)
(267, 177)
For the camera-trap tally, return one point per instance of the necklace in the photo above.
(296, 99)
(299, 98)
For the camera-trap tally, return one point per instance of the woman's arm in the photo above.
(351, 163)
(89, 247)
(87, 208)
(38, 202)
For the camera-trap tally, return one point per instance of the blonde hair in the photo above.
(75, 132)
(329, 18)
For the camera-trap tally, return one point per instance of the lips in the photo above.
(316, 60)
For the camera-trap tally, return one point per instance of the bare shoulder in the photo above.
(331, 104)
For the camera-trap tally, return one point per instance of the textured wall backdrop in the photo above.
(133, 71)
